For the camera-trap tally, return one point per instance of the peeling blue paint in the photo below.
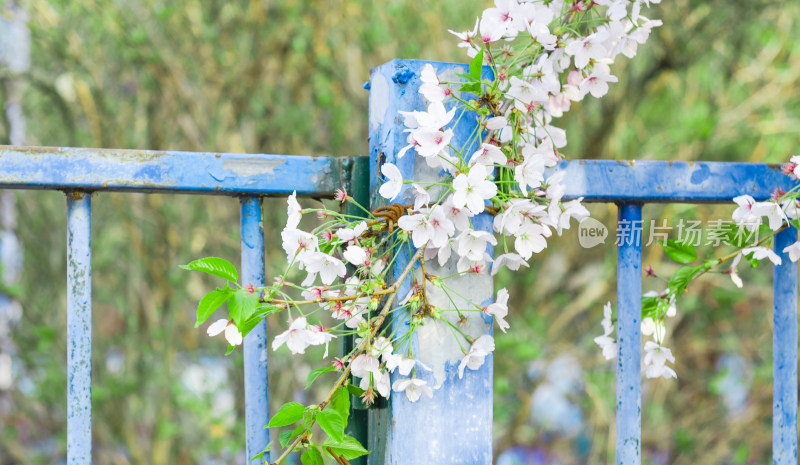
(661, 181)
(784, 354)
(178, 172)
(238, 174)
(629, 338)
(79, 329)
(255, 344)
(455, 426)
(402, 76)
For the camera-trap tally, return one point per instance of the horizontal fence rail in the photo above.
(258, 174)
(84, 169)
(250, 176)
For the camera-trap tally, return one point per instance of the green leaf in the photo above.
(312, 456)
(355, 390)
(348, 447)
(308, 419)
(737, 236)
(242, 306)
(289, 413)
(316, 374)
(475, 66)
(649, 305)
(341, 403)
(332, 423)
(216, 266)
(681, 278)
(260, 455)
(248, 325)
(681, 252)
(472, 88)
(287, 436)
(267, 310)
(211, 302)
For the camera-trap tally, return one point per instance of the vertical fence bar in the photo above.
(358, 187)
(784, 354)
(79, 329)
(455, 426)
(629, 313)
(255, 344)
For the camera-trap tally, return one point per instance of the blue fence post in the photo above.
(629, 338)
(784, 354)
(79, 329)
(255, 344)
(455, 426)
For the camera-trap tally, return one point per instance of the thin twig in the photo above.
(323, 300)
(339, 458)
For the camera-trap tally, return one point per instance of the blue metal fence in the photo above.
(81, 172)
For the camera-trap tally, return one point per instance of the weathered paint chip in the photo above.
(252, 166)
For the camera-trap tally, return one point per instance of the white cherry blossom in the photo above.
(297, 243)
(655, 361)
(499, 309)
(401, 364)
(348, 234)
(744, 215)
(419, 226)
(732, 271)
(473, 189)
(529, 240)
(596, 83)
(294, 211)
(491, 30)
(430, 143)
(394, 181)
(458, 215)
(473, 265)
(440, 226)
(421, 196)
(760, 253)
(299, 336)
(773, 211)
(608, 346)
(793, 251)
(474, 359)
(363, 365)
(232, 334)
(488, 154)
(472, 244)
(585, 49)
(430, 87)
(328, 267)
(413, 387)
(466, 39)
(511, 261)
(529, 174)
(355, 255)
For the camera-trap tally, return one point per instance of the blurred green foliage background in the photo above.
(719, 81)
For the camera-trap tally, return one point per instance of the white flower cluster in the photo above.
(779, 211)
(750, 218)
(545, 54)
(656, 355)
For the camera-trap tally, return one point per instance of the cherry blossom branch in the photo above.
(322, 300)
(375, 327)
